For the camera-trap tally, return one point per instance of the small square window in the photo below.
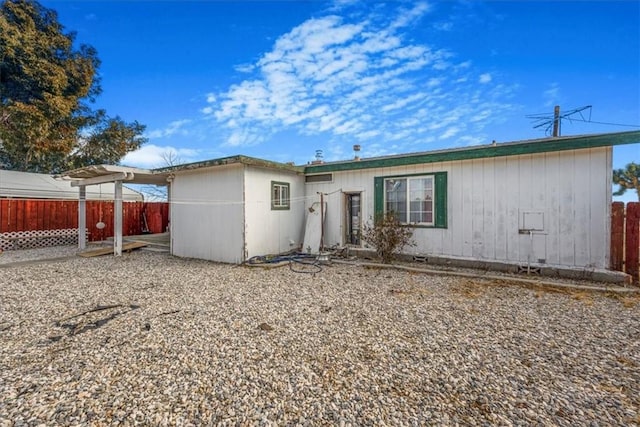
(280, 198)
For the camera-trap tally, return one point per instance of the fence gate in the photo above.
(625, 238)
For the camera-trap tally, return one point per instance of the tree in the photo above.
(628, 179)
(46, 88)
(387, 235)
(158, 193)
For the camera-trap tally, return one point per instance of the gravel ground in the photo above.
(147, 338)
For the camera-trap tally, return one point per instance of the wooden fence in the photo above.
(33, 215)
(625, 238)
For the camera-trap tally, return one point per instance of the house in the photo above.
(234, 208)
(542, 202)
(27, 185)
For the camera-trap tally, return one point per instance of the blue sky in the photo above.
(280, 80)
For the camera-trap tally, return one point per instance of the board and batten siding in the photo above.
(207, 214)
(272, 231)
(487, 200)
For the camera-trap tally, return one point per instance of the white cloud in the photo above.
(155, 156)
(357, 78)
(408, 16)
(443, 26)
(484, 78)
(175, 127)
(244, 68)
(452, 131)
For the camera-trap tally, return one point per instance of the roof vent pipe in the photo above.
(356, 152)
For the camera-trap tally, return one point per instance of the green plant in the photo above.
(387, 235)
(628, 178)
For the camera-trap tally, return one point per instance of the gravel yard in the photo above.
(147, 338)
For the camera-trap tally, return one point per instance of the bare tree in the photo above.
(158, 193)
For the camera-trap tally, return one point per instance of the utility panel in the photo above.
(531, 221)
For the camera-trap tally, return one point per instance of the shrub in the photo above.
(387, 235)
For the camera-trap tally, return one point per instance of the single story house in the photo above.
(540, 202)
(535, 202)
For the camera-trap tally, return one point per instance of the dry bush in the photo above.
(388, 236)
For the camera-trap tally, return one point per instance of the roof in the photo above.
(111, 173)
(14, 184)
(532, 146)
(242, 160)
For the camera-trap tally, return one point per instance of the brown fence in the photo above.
(625, 238)
(32, 215)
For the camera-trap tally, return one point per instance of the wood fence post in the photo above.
(632, 237)
(617, 236)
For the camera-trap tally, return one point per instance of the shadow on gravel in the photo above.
(82, 324)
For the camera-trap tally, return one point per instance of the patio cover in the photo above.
(100, 174)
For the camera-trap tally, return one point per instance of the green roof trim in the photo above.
(533, 146)
(242, 160)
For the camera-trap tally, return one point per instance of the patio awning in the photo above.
(100, 174)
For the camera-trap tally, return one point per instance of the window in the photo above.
(419, 200)
(325, 177)
(411, 199)
(279, 195)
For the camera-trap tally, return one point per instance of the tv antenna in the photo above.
(552, 124)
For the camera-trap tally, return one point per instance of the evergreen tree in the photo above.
(628, 179)
(46, 88)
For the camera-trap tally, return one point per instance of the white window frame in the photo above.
(280, 195)
(395, 181)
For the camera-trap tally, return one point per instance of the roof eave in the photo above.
(483, 151)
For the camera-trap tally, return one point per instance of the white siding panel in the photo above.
(477, 209)
(486, 202)
(455, 198)
(582, 196)
(500, 207)
(566, 216)
(270, 231)
(207, 214)
(553, 200)
(466, 209)
(488, 209)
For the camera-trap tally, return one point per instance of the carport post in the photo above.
(82, 218)
(117, 220)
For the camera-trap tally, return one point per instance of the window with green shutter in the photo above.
(417, 200)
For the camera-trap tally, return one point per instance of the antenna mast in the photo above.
(555, 122)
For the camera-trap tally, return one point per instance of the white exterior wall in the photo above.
(207, 214)
(486, 200)
(272, 231)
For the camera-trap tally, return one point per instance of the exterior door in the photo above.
(353, 218)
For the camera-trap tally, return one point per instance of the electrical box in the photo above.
(531, 221)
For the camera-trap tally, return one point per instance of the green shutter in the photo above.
(441, 200)
(440, 185)
(378, 196)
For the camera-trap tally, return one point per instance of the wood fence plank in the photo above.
(43, 217)
(4, 206)
(632, 240)
(617, 236)
(33, 215)
(20, 210)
